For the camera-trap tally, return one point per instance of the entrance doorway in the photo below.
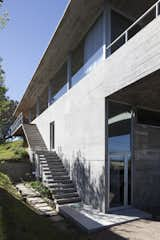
(52, 136)
(119, 155)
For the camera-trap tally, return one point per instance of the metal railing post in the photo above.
(125, 33)
(126, 36)
(17, 123)
(157, 9)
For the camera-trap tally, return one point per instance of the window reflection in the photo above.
(119, 149)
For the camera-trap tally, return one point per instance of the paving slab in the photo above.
(36, 201)
(25, 191)
(92, 220)
(38, 205)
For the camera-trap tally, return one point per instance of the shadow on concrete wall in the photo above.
(91, 188)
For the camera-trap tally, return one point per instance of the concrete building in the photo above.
(94, 102)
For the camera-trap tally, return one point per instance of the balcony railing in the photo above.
(87, 67)
(140, 23)
(17, 123)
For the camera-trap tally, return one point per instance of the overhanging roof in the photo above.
(76, 21)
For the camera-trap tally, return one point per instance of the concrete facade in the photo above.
(80, 115)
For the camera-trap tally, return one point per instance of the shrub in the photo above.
(39, 187)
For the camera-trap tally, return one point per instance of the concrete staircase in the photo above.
(34, 138)
(56, 178)
(50, 168)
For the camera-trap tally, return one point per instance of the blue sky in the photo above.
(25, 38)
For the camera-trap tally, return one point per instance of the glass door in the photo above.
(119, 154)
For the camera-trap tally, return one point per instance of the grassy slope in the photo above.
(5, 183)
(12, 150)
(18, 221)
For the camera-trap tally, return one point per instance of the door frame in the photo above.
(125, 156)
(107, 159)
(52, 138)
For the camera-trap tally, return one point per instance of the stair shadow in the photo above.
(91, 191)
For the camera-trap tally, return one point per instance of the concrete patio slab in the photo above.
(92, 220)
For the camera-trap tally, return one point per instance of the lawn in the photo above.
(12, 151)
(18, 221)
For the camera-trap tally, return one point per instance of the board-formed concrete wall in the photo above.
(80, 114)
(146, 183)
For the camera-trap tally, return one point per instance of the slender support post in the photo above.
(157, 9)
(49, 94)
(126, 36)
(37, 107)
(69, 71)
(30, 116)
(106, 29)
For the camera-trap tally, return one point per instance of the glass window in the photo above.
(118, 25)
(119, 153)
(148, 117)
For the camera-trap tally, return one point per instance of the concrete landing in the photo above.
(92, 220)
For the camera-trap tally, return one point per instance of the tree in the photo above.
(7, 106)
(3, 17)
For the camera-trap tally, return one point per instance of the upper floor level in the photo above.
(89, 32)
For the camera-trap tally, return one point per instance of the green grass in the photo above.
(6, 184)
(18, 221)
(12, 151)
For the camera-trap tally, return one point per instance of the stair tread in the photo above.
(69, 200)
(56, 177)
(65, 195)
(62, 189)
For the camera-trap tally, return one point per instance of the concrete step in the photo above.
(57, 178)
(54, 158)
(65, 177)
(60, 185)
(62, 190)
(65, 195)
(61, 181)
(54, 173)
(51, 163)
(67, 200)
(47, 172)
(50, 154)
(53, 169)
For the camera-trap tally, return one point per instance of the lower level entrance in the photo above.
(119, 155)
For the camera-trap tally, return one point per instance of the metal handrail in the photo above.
(125, 33)
(19, 120)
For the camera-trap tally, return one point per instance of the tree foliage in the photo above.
(7, 107)
(4, 17)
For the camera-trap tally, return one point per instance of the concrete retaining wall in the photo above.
(16, 169)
